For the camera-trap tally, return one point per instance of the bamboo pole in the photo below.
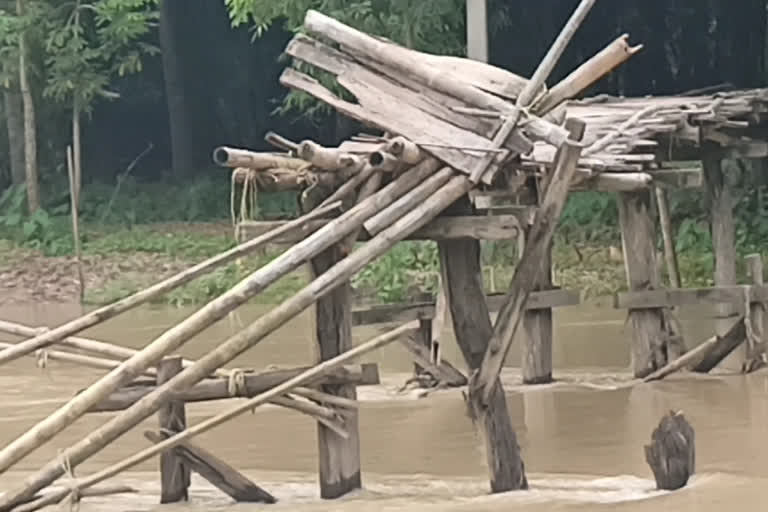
(352, 183)
(307, 377)
(206, 316)
(232, 157)
(690, 358)
(226, 351)
(74, 188)
(533, 85)
(82, 360)
(330, 159)
(132, 301)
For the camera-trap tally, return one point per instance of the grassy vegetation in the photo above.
(147, 232)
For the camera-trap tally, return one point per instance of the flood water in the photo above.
(582, 438)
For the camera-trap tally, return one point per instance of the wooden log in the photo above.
(218, 308)
(45, 355)
(723, 348)
(357, 179)
(339, 459)
(217, 472)
(722, 225)
(132, 301)
(672, 452)
(307, 377)
(384, 218)
(529, 266)
(93, 492)
(687, 360)
(691, 297)
(330, 159)
(463, 284)
(441, 370)
(539, 78)
(405, 150)
(383, 161)
(495, 227)
(252, 385)
(233, 157)
(408, 63)
(281, 142)
(670, 254)
(174, 474)
(369, 188)
(245, 339)
(756, 340)
(612, 56)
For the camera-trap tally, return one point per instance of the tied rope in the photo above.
(41, 358)
(236, 385)
(72, 501)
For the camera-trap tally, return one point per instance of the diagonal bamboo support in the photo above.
(231, 348)
(212, 312)
(175, 440)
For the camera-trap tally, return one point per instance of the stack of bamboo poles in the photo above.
(420, 187)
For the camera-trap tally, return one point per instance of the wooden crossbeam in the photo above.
(690, 297)
(545, 299)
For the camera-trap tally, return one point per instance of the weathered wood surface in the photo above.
(231, 348)
(543, 299)
(648, 348)
(665, 222)
(691, 296)
(537, 243)
(252, 385)
(672, 452)
(305, 378)
(172, 417)
(725, 345)
(537, 323)
(339, 459)
(463, 285)
(442, 370)
(497, 227)
(220, 474)
(757, 353)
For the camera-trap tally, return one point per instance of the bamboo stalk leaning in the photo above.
(170, 442)
(242, 341)
(132, 301)
(173, 338)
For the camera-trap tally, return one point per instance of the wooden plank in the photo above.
(339, 458)
(497, 227)
(174, 474)
(542, 299)
(442, 371)
(220, 474)
(690, 297)
(255, 383)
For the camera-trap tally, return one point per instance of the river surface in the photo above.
(582, 438)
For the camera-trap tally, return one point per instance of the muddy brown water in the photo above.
(581, 438)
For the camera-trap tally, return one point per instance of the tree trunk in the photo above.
(30, 125)
(14, 117)
(182, 140)
(77, 150)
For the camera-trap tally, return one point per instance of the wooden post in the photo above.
(537, 323)
(423, 338)
(756, 346)
(174, 474)
(477, 30)
(339, 464)
(638, 243)
(463, 284)
(670, 255)
(723, 241)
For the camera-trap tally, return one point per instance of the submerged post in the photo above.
(339, 464)
(756, 340)
(174, 474)
(638, 242)
(537, 324)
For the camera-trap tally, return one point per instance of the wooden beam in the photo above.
(339, 458)
(254, 384)
(174, 474)
(690, 297)
(543, 299)
(220, 474)
(498, 227)
(678, 178)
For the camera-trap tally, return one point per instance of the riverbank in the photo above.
(118, 261)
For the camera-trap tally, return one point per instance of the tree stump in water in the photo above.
(672, 454)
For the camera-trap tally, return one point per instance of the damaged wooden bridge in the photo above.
(455, 139)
